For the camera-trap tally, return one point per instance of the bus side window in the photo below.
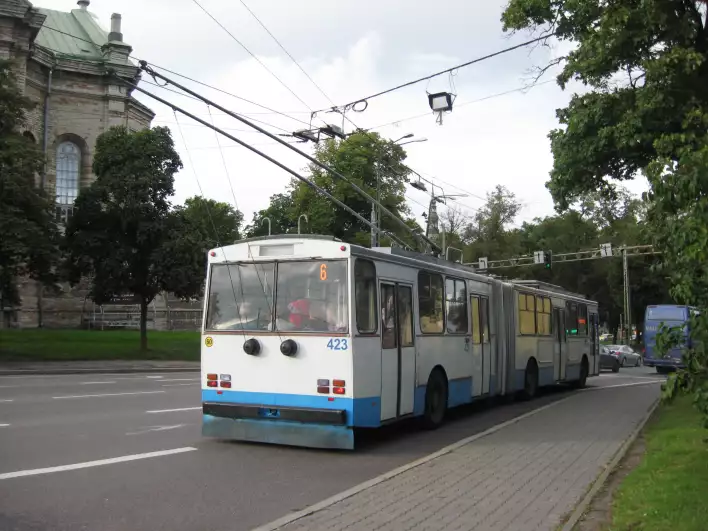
(430, 303)
(476, 321)
(365, 296)
(527, 314)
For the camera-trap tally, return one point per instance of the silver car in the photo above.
(626, 354)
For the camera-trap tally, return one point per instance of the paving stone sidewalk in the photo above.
(525, 477)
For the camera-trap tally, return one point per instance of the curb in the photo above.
(290, 518)
(611, 466)
(58, 372)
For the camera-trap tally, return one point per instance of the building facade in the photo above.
(62, 61)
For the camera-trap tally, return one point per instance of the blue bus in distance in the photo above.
(671, 316)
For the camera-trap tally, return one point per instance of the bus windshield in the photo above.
(241, 297)
(666, 313)
(311, 296)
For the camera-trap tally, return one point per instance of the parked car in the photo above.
(605, 337)
(609, 360)
(626, 355)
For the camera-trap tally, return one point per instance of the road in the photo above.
(124, 452)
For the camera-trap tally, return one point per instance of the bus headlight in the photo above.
(252, 346)
(288, 347)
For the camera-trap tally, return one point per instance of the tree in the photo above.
(646, 64)
(366, 160)
(192, 230)
(217, 223)
(123, 226)
(29, 236)
(487, 233)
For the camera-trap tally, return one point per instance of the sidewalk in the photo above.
(9, 368)
(527, 476)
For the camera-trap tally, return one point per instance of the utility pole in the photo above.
(375, 212)
(626, 300)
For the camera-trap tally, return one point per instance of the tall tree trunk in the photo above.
(143, 324)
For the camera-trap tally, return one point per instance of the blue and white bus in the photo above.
(306, 338)
(670, 315)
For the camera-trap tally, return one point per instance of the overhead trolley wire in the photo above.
(286, 51)
(436, 74)
(251, 53)
(264, 155)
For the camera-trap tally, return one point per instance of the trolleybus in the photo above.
(306, 338)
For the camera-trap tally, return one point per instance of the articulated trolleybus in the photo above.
(307, 338)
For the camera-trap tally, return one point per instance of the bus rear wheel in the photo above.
(530, 380)
(584, 370)
(435, 400)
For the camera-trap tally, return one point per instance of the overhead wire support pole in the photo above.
(146, 68)
(265, 156)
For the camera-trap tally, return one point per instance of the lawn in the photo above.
(69, 345)
(667, 490)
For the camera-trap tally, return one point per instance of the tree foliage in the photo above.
(123, 227)
(361, 158)
(28, 232)
(646, 64)
(591, 221)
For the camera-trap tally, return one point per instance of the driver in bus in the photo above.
(299, 313)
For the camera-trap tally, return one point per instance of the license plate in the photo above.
(269, 412)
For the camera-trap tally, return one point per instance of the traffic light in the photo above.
(547, 259)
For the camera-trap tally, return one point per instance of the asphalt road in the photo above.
(156, 472)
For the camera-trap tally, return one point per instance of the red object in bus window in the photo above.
(299, 309)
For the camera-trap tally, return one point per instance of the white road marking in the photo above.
(3, 425)
(600, 387)
(171, 410)
(108, 394)
(88, 464)
(155, 377)
(180, 380)
(96, 383)
(155, 428)
(178, 385)
(7, 400)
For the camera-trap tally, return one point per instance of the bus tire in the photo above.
(435, 400)
(530, 380)
(583, 378)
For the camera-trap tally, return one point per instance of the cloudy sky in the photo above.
(497, 133)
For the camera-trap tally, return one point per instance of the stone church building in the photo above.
(61, 59)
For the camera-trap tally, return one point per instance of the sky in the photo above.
(497, 133)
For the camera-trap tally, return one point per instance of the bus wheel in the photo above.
(530, 380)
(435, 400)
(662, 370)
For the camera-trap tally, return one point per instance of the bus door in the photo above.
(486, 350)
(560, 349)
(476, 349)
(595, 345)
(397, 350)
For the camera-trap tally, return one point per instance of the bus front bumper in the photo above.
(307, 427)
(672, 363)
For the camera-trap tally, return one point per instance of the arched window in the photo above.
(68, 163)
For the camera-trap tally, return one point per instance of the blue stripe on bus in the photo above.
(572, 372)
(546, 376)
(459, 391)
(361, 412)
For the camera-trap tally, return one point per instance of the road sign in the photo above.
(538, 257)
(483, 262)
(605, 250)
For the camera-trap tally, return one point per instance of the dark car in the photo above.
(609, 359)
